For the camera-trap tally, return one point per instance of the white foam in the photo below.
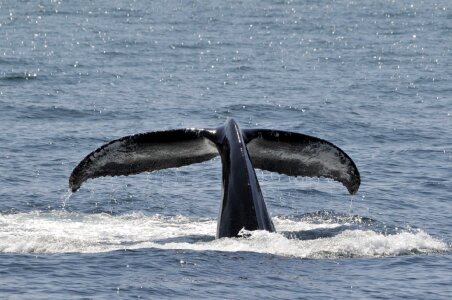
(60, 232)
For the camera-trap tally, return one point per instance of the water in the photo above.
(373, 77)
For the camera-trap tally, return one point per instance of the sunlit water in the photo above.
(373, 77)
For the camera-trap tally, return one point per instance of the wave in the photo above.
(63, 232)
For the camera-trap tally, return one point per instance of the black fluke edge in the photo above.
(243, 206)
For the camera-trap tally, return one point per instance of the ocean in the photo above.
(372, 77)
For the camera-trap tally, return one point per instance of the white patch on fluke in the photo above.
(60, 232)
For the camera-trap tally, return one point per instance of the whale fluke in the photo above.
(243, 205)
(143, 152)
(297, 154)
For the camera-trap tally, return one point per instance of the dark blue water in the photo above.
(373, 77)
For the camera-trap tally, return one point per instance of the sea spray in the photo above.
(66, 198)
(350, 208)
(63, 232)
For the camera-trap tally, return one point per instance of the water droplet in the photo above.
(66, 198)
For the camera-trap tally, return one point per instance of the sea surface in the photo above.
(373, 77)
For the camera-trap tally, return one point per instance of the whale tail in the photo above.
(241, 151)
(284, 152)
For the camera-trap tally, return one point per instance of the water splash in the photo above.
(306, 237)
(66, 198)
(350, 209)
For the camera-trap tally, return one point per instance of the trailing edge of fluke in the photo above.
(243, 206)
